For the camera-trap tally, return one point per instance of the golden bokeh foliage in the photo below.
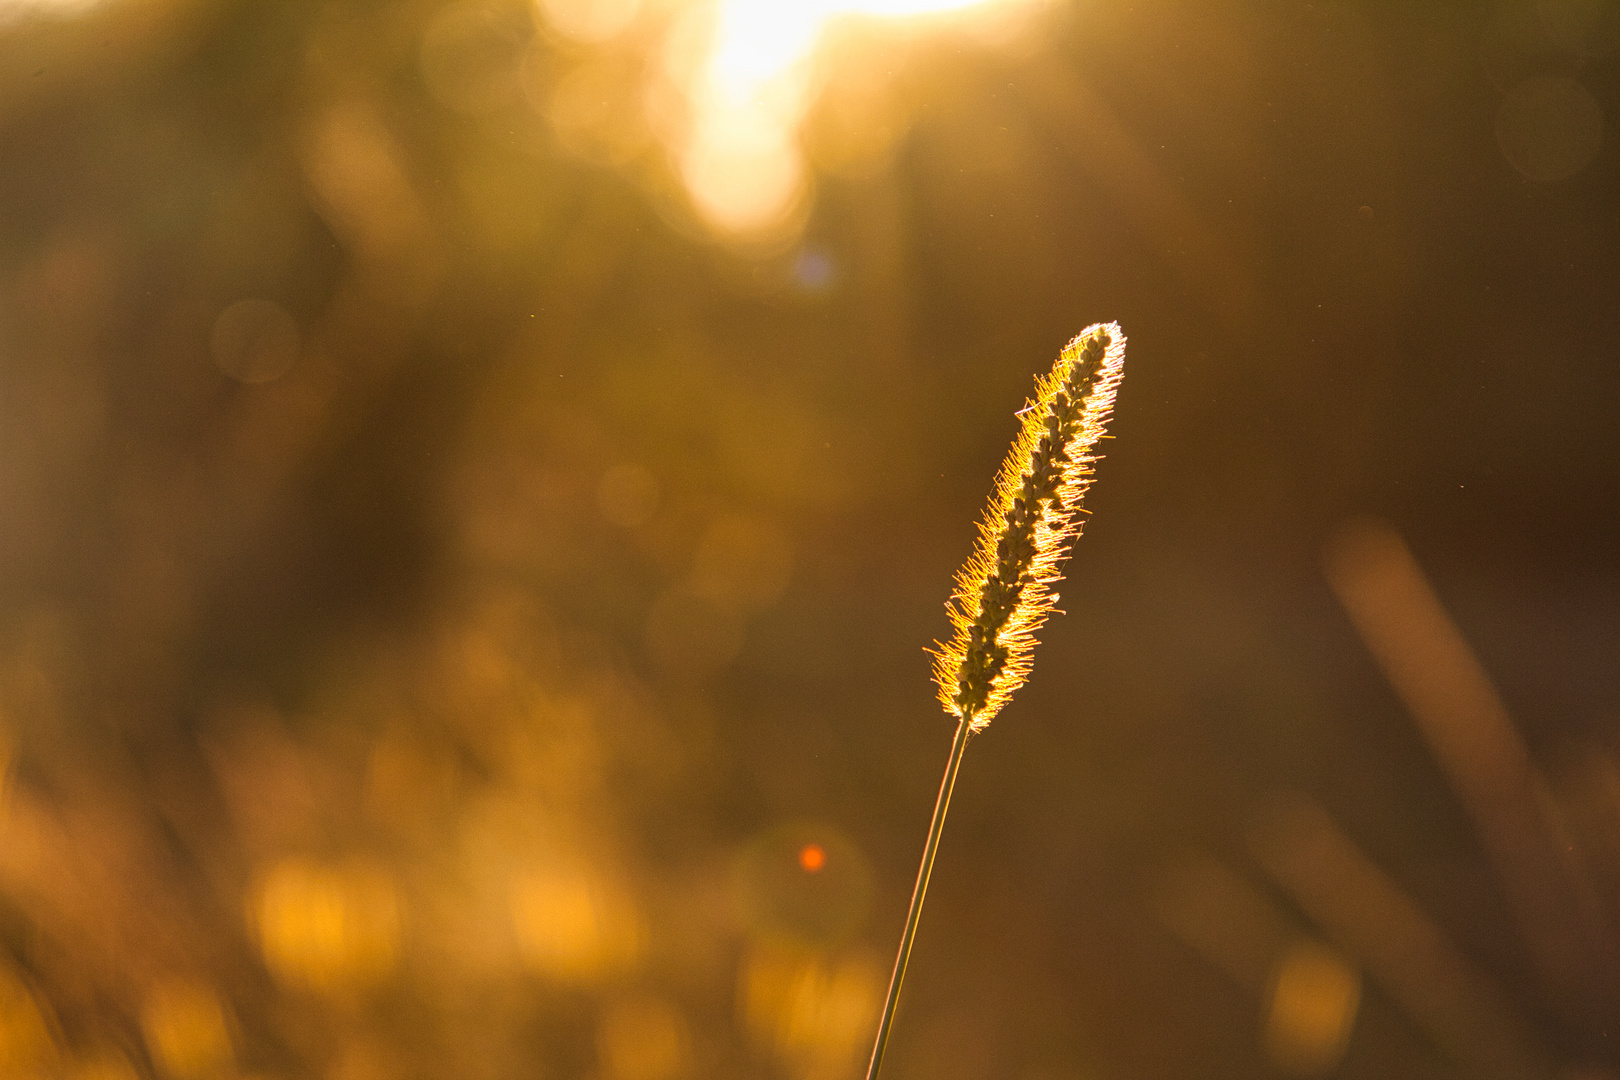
(327, 927)
(1311, 1010)
(573, 925)
(809, 1006)
(643, 1038)
(476, 475)
(26, 1044)
(187, 1031)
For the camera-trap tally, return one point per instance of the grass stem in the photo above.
(914, 914)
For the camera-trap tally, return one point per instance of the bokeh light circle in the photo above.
(1549, 129)
(589, 20)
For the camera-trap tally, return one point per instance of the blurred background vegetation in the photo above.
(477, 478)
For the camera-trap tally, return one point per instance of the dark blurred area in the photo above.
(477, 480)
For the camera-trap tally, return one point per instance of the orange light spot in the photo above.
(812, 858)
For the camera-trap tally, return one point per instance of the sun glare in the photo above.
(740, 156)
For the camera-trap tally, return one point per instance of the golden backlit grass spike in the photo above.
(1004, 592)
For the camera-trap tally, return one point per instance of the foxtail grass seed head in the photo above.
(1004, 591)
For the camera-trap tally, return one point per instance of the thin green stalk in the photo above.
(914, 914)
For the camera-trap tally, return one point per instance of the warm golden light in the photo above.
(323, 928)
(16, 10)
(25, 1039)
(1315, 994)
(572, 926)
(812, 857)
(102, 1064)
(186, 1031)
(590, 20)
(804, 1005)
(740, 157)
(642, 1039)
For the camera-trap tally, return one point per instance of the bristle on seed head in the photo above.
(1004, 591)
